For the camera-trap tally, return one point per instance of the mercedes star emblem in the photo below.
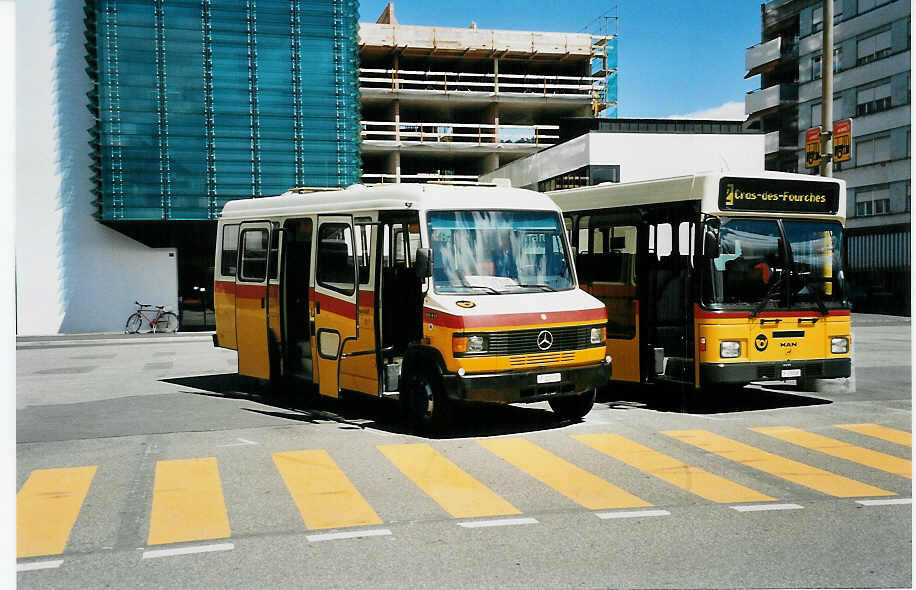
(545, 340)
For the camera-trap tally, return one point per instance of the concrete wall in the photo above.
(640, 156)
(72, 273)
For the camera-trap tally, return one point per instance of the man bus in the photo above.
(432, 294)
(714, 279)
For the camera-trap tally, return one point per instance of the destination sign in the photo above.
(778, 196)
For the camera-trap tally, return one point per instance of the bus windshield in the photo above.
(753, 266)
(498, 252)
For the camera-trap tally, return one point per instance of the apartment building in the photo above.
(454, 103)
(872, 87)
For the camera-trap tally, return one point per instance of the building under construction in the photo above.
(454, 103)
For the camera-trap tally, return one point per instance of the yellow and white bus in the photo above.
(713, 279)
(428, 293)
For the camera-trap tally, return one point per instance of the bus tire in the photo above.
(573, 407)
(427, 409)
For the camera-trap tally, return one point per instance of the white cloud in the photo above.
(729, 111)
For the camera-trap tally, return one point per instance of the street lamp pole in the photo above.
(827, 92)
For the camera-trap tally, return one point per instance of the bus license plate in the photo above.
(549, 378)
(791, 372)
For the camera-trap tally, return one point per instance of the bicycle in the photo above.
(162, 319)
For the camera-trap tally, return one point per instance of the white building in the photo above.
(625, 150)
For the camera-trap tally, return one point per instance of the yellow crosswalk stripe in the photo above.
(687, 477)
(794, 471)
(838, 448)
(573, 482)
(188, 502)
(323, 493)
(47, 507)
(455, 490)
(900, 437)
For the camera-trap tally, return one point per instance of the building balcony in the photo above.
(778, 141)
(764, 57)
(766, 100)
(385, 135)
(383, 178)
(399, 83)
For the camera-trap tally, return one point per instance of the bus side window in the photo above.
(229, 250)
(364, 236)
(663, 245)
(568, 222)
(254, 255)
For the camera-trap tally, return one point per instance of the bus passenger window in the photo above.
(230, 250)
(254, 255)
(582, 242)
(335, 258)
(364, 246)
(663, 245)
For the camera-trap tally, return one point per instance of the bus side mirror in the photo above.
(423, 263)
(711, 247)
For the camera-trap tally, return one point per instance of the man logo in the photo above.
(761, 342)
(545, 340)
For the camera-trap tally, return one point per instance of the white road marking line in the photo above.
(242, 442)
(348, 535)
(474, 524)
(761, 507)
(150, 554)
(631, 514)
(38, 565)
(885, 502)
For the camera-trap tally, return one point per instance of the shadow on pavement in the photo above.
(355, 411)
(718, 401)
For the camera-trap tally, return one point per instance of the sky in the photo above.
(675, 57)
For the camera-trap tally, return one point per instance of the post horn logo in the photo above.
(761, 342)
(545, 340)
(465, 304)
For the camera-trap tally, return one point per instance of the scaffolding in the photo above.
(604, 31)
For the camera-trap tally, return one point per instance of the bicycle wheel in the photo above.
(134, 323)
(168, 322)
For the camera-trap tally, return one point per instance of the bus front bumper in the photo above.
(713, 373)
(507, 388)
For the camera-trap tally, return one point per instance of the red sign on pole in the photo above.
(813, 147)
(842, 139)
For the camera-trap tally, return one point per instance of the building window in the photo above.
(817, 67)
(873, 48)
(817, 17)
(872, 150)
(816, 112)
(584, 176)
(866, 5)
(873, 201)
(873, 100)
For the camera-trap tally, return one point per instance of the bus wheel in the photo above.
(427, 408)
(573, 407)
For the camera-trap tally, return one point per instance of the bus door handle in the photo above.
(262, 303)
(317, 307)
(812, 320)
(769, 321)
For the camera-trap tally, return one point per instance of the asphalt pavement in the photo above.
(145, 462)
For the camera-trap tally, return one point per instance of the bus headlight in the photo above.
(463, 344)
(729, 349)
(839, 345)
(596, 336)
(477, 344)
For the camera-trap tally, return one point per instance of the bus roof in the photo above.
(389, 197)
(701, 186)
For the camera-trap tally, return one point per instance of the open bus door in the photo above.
(252, 300)
(336, 282)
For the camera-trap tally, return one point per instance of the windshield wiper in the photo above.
(536, 285)
(490, 290)
(766, 297)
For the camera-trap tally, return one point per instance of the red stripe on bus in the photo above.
(712, 314)
(224, 287)
(336, 306)
(447, 320)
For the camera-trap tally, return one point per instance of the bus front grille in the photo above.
(541, 360)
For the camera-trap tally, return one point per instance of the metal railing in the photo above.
(473, 133)
(384, 178)
(488, 83)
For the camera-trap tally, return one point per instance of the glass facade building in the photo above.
(198, 102)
